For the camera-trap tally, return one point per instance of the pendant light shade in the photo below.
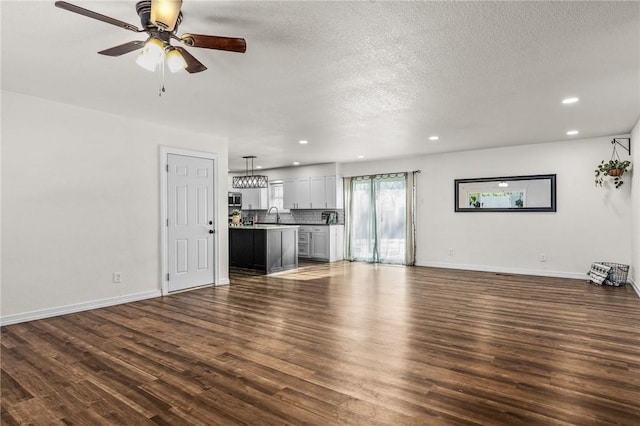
(247, 182)
(164, 13)
(175, 61)
(151, 55)
(250, 180)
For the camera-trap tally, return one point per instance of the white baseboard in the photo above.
(635, 286)
(78, 307)
(506, 270)
(223, 281)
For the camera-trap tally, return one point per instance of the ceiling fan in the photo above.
(160, 20)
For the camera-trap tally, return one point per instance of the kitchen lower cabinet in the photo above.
(304, 241)
(265, 249)
(321, 242)
(247, 248)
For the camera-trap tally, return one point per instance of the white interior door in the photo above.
(190, 223)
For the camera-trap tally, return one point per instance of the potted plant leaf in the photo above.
(235, 217)
(614, 168)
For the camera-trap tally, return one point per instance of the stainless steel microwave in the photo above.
(235, 199)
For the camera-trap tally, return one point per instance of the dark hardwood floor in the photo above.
(333, 344)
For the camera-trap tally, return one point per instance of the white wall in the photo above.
(590, 224)
(80, 200)
(635, 206)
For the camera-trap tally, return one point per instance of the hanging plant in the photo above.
(614, 168)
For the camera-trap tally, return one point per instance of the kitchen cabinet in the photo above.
(264, 248)
(296, 193)
(255, 199)
(317, 193)
(304, 241)
(324, 192)
(247, 248)
(321, 242)
(331, 193)
(289, 193)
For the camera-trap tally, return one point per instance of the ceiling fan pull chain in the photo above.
(161, 91)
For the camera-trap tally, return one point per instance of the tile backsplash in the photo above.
(294, 216)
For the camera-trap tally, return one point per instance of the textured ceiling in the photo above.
(354, 78)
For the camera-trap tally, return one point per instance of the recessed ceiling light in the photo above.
(258, 167)
(360, 156)
(303, 142)
(570, 100)
(296, 163)
(572, 132)
(434, 138)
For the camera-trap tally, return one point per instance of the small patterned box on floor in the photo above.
(608, 273)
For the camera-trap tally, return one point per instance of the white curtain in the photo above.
(410, 243)
(379, 218)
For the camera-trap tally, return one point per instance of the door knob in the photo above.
(211, 231)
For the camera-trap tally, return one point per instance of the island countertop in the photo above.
(264, 226)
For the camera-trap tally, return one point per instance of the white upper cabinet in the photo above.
(304, 200)
(289, 193)
(255, 199)
(313, 193)
(317, 193)
(331, 193)
(296, 193)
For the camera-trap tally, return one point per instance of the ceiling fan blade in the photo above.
(91, 14)
(123, 48)
(193, 65)
(215, 42)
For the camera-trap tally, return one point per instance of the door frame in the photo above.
(164, 237)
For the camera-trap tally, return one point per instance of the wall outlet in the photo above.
(543, 257)
(117, 277)
(450, 252)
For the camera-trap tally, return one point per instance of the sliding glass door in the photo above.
(378, 219)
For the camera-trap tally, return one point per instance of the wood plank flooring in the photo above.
(337, 344)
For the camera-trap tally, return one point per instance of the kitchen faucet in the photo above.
(277, 214)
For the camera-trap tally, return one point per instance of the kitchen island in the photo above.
(267, 248)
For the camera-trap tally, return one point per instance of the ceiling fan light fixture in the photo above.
(154, 48)
(146, 62)
(164, 13)
(160, 19)
(175, 60)
(151, 55)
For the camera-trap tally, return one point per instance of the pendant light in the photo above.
(250, 180)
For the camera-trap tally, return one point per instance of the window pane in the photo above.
(378, 219)
(391, 219)
(276, 195)
(362, 225)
